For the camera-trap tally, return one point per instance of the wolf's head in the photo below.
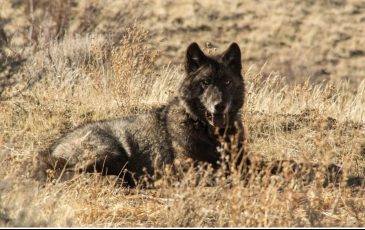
(213, 90)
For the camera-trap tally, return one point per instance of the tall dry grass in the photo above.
(52, 84)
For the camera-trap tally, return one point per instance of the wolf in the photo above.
(202, 123)
(205, 113)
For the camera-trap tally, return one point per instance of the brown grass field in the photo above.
(66, 62)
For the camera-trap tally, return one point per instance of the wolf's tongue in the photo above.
(218, 120)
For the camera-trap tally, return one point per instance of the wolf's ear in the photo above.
(195, 58)
(232, 57)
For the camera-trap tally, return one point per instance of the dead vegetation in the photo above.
(64, 63)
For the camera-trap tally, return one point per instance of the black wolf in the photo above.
(190, 126)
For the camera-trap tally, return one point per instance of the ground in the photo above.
(64, 63)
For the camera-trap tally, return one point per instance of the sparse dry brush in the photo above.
(124, 72)
(53, 78)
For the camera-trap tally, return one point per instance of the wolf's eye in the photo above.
(227, 82)
(206, 82)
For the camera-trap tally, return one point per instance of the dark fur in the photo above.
(209, 99)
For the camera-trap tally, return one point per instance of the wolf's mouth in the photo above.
(216, 119)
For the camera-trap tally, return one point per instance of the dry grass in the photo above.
(59, 70)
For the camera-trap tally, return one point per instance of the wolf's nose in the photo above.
(220, 107)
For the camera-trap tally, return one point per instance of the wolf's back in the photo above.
(136, 143)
